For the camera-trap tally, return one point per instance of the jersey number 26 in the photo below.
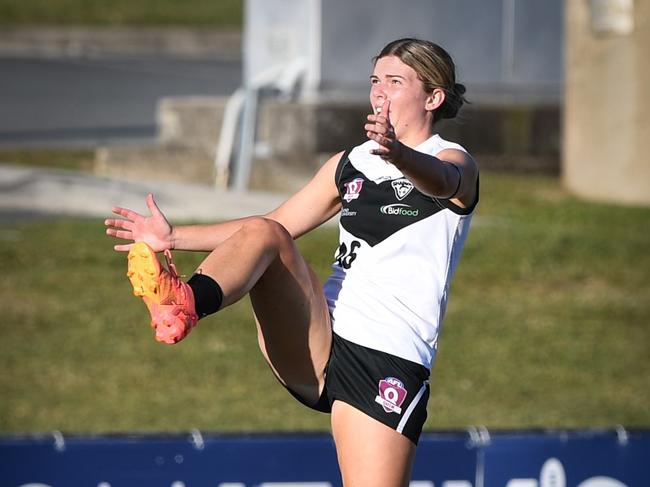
(345, 257)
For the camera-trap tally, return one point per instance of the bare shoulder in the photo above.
(466, 195)
(312, 205)
(326, 175)
(333, 161)
(458, 157)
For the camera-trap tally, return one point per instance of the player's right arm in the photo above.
(313, 205)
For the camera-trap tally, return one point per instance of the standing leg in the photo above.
(369, 452)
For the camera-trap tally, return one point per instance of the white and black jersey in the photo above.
(398, 249)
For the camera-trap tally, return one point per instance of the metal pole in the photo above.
(247, 140)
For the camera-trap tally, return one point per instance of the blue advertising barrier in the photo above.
(476, 458)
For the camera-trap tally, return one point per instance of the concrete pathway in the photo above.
(31, 191)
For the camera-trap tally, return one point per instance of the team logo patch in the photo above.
(402, 188)
(353, 189)
(391, 395)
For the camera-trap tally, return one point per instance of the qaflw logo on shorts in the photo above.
(353, 189)
(391, 395)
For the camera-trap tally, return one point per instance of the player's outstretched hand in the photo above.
(380, 129)
(154, 230)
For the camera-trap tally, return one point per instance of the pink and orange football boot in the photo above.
(169, 299)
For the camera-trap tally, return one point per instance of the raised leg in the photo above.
(294, 330)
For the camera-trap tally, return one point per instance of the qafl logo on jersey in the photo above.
(391, 395)
(353, 189)
(402, 188)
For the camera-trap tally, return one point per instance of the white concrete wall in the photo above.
(607, 104)
(501, 47)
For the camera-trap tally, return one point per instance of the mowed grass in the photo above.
(198, 13)
(75, 159)
(548, 326)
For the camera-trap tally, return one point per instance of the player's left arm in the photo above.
(452, 174)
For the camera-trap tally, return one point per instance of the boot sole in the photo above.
(143, 271)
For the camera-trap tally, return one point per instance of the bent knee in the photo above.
(267, 230)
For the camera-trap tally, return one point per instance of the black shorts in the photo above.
(390, 389)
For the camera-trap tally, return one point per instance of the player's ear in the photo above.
(435, 99)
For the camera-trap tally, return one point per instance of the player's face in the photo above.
(410, 106)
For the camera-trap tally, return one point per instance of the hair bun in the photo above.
(459, 89)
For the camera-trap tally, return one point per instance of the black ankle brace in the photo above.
(208, 295)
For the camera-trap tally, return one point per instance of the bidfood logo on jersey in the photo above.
(399, 209)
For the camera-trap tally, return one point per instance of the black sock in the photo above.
(208, 295)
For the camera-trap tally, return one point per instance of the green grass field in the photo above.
(44, 158)
(197, 13)
(548, 326)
